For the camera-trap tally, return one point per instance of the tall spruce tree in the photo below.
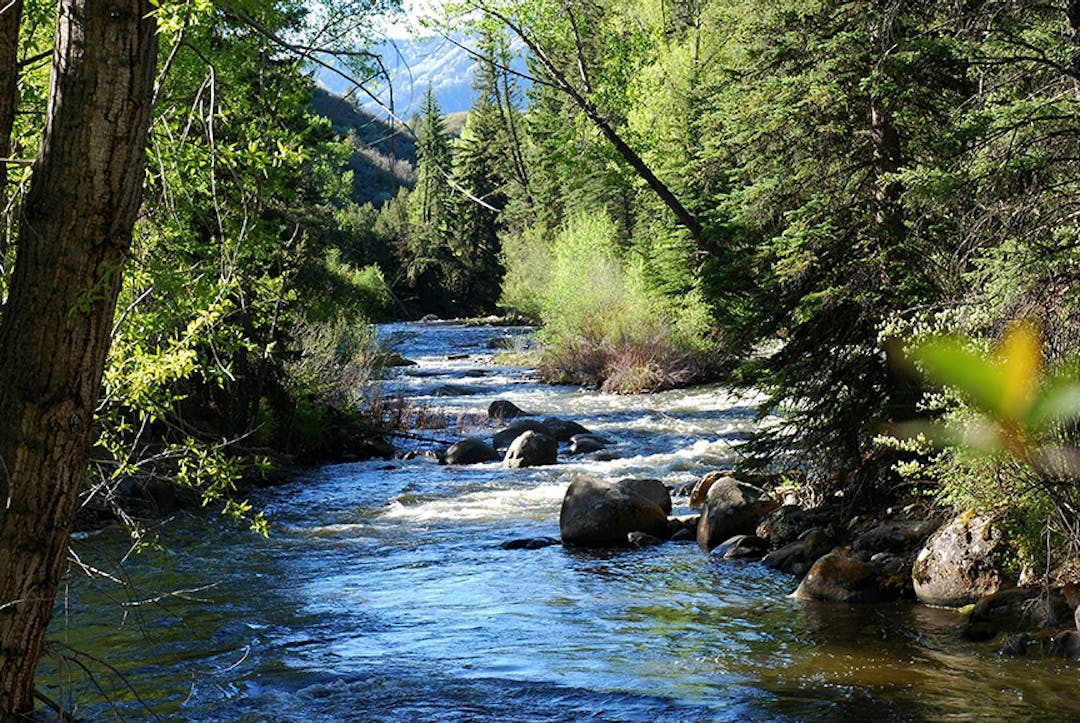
(483, 169)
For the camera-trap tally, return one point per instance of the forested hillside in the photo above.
(785, 196)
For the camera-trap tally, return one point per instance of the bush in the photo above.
(603, 326)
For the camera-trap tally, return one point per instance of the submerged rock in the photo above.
(597, 513)
(529, 543)
(457, 390)
(531, 449)
(470, 451)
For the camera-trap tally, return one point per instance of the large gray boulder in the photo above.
(961, 563)
(599, 513)
(731, 508)
(651, 489)
(532, 449)
(470, 451)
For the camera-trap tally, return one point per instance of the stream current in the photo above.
(383, 594)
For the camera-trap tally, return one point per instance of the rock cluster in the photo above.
(527, 441)
(909, 553)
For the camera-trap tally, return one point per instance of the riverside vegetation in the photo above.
(784, 195)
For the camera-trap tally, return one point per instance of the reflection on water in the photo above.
(383, 594)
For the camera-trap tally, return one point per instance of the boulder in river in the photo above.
(470, 451)
(563, 429)
(702, 486)
(503, 409)
(532, 449)
(585, 443)
(650, 489)
(599, 513)
(961, 562)
(731, 508)
(393, 359)
(500, 342)
(519, 427)
(743, 547)
(840, 577)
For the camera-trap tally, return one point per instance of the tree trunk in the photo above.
(10, 19)
(74, 234)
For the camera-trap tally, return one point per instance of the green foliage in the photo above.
(602, 325)
(1006, 439)
(243, 323)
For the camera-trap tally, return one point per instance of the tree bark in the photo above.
(74, 234)
(10, 19)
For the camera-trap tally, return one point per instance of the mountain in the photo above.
(412, 65)
(384, 154)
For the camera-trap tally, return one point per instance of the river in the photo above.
(383, 594)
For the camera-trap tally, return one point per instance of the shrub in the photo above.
(603, 325)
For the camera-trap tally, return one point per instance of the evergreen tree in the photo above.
(483, 169)
(423, 249)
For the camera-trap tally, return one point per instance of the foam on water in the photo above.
(537, 503)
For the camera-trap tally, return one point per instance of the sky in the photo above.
(403, 25)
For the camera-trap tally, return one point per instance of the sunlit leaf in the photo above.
(1020, 358)
(949, 361)
(1059, 398)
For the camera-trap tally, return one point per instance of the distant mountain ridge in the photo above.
(384, 154)
(413, 65)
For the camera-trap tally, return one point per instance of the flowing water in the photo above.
(383, 594)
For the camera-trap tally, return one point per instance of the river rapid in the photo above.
(383, 594)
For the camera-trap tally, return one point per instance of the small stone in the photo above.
(643, 539)
(529, 543)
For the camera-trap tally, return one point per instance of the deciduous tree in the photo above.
(75, 231)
